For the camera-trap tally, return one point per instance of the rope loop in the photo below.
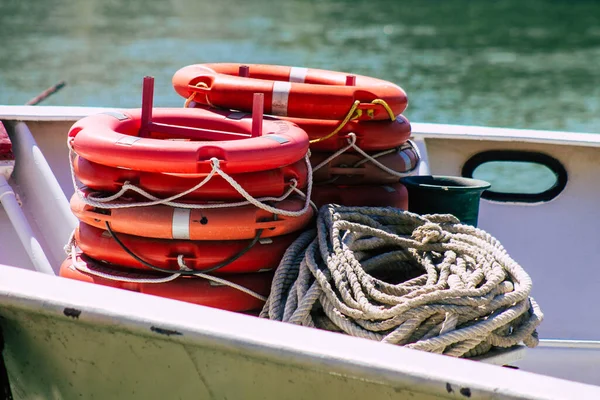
(192, 97)
(425, 282)
(215, 162)
(354, 113)
(372, 157)
(129, 277)
(386, 106)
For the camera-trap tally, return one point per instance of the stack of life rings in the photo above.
(199, 204)
(195, 205)
(358, 136)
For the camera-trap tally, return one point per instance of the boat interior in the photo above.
(552, 234)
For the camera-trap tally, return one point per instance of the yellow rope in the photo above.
(386, 106)
(344, 122)
(193, 95)
(353, 114)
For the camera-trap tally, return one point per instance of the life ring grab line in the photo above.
(83, 267)
(108, 202)
(370, 158)
(352, 169)
(353, 113)
(221, 265)
(112, 141)
(102, 178)
(204, 79)
(71, 249)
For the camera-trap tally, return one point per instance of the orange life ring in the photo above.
(113, 139)
(274, 182)
(163, 222)
(370, 135)
(341, 170)
(198, 255)
(288, 91)
(192, 290)
(394, 195)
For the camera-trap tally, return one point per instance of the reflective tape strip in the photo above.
(237, 115)
(126, 140)
(117, 115)
(181, 223)
(407, 161)
(281, 92)
(298, 74)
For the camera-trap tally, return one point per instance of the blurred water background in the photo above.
(508, 63)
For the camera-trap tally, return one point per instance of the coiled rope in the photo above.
(424, 282)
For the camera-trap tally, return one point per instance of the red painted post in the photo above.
(147, 102)
(350, 80)
(244, 71)
(257, 114)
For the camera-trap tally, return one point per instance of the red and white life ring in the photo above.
(113, 139)
(273, 182)
(352, 169)
(164, 222)
(199, 255)
(192, 290)
(394, 195)
(370, 135)
(288, 91)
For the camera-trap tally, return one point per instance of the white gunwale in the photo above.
(420, 130)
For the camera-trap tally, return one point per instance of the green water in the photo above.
(528, 64)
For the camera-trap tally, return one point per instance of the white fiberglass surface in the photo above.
(555, 241)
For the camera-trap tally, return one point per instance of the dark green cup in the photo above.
(435, 194)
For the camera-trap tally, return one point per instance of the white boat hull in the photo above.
(67, 339)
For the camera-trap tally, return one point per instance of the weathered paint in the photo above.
(110, 351)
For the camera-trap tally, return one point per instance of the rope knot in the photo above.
(181, 264)
(442, 218)
(215, 162)
(430, 233)
(351, 138)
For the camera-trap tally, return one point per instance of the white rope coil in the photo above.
(426, 282)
